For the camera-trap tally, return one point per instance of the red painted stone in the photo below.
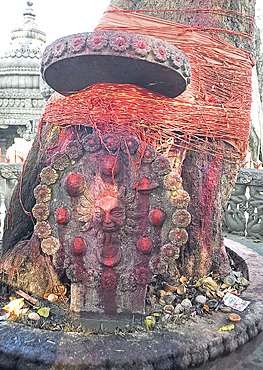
(144, 245)
(146, 185)
(109, 280)
(169, 252)
(110, 166)
(43, 192)
(75, 185)
(62, 216)
(143, 276)
(79, 247)
(156, 217)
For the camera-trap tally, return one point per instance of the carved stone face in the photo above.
(109, 213)
(111, 224)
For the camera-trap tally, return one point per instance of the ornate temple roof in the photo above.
(21, 101)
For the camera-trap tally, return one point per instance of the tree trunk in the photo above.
(208, 181)
(221, 20)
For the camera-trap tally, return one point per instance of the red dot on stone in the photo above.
(62, 216)
(144, 245)
(182, 218)
(92, 142)
(42, 192)
(110, 165)
(75, 185)
(79, 247)
(156, 217)
(178, 236)
(147, 154)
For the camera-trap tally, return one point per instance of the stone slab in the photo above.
(187, 346)
(75, 62)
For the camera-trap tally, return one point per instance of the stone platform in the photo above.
(187, 346)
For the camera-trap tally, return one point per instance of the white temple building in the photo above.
(21, 100)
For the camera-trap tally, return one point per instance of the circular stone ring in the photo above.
(75, 62)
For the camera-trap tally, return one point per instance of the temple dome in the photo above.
(21, 101)
(24, 53)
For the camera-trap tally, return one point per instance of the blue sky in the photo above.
(56, 18)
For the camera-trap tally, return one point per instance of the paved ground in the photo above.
(255, 245)
(188, 346)
(250, 355)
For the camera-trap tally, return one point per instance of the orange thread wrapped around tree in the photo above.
(215, 108)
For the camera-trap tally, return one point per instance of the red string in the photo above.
(214, 109)
(220, 90)
(222, 12)
(187, 10)
(153, 118)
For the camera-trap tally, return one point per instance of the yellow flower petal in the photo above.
(14, 306)
(44, 311)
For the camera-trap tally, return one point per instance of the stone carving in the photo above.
(24, 52)
(36, 103)
(244, 214)
(110, 211)
(255, 211)
(168, 73)
(107, 226)
(10, 171)
(9, 174)
(235, 220)
(2, 215)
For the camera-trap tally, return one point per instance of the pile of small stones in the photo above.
(167, 305)
(186, 299)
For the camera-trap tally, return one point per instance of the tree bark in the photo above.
(208, 182)
(225, 21)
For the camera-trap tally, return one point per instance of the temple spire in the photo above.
(21, 101)
(29, 29)
(29, 16)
